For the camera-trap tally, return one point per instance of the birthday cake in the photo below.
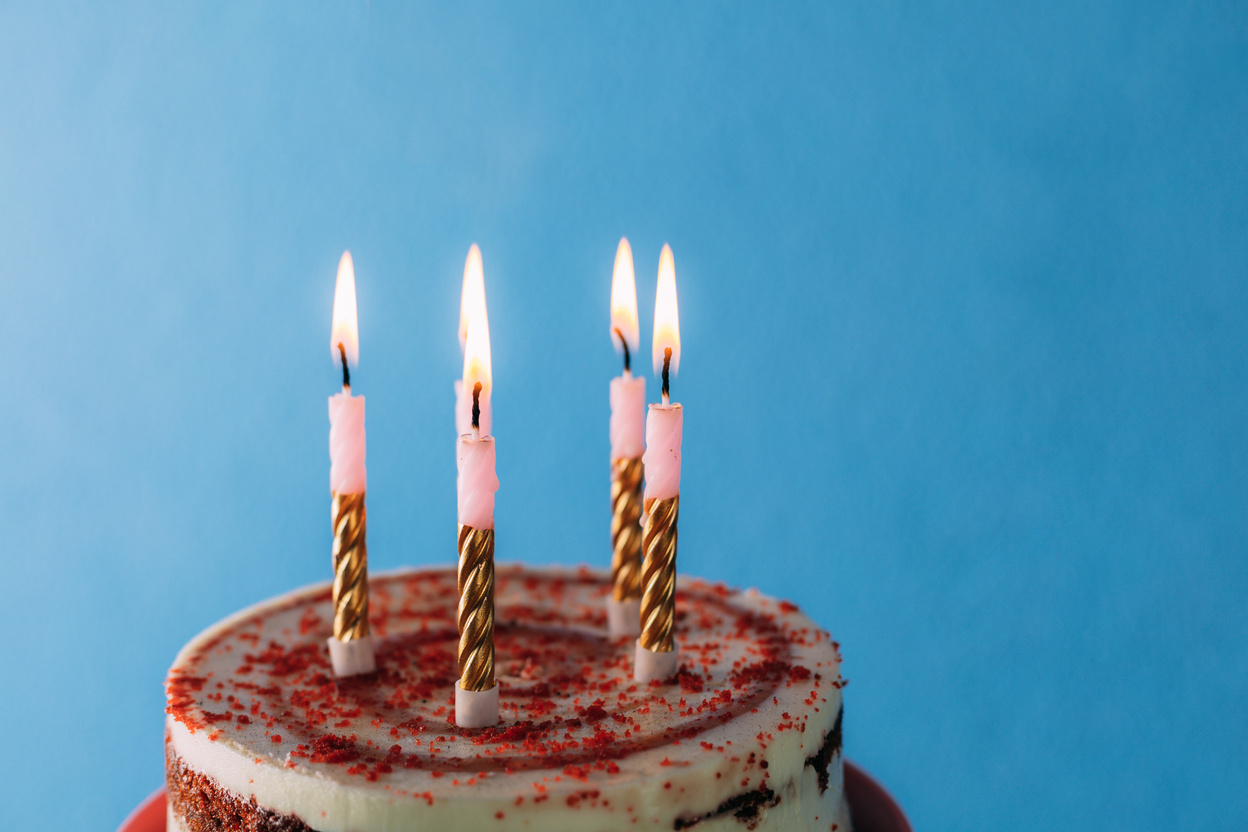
(260, 735)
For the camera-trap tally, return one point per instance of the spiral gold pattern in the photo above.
(626, 529)
(476, 608)
(658, 575)
(350, 522)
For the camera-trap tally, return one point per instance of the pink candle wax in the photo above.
(628, 407)
(346, 444)
(661, 461)
(477, 481)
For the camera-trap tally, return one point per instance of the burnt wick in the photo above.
(628, 368)
(476, 406)
(346, 372)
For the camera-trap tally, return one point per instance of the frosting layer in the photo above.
(746, 736)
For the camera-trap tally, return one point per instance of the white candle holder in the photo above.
(623, 617)
(476, 708)
(651, 666)
(351, 658)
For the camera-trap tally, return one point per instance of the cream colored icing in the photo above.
(652, 787)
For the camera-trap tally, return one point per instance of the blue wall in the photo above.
(963, 297)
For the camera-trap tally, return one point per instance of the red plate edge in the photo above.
(148, 816)
(873, 808)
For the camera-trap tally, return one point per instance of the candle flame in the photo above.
(666, 316)
(345, 328)
(624, 299)
(477, 333)
(473, 287)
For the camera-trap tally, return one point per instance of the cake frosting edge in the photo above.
(791, 780)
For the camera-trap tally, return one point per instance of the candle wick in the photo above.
(476, 409)
(667, 365)
(346, 373)
(628, 366)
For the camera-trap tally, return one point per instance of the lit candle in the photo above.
(351, 645)
(627, 433)
(656, 657)
(476, 693)
(471, 296)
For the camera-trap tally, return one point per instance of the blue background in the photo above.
(963, 294)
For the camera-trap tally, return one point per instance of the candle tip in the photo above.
(628, 362)
(476, 408)
(344, 336)
(477, 337)
(667, 364)
(666, 315)
(624, 299)
(346, 372)
(472, 292)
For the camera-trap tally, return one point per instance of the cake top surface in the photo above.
(754, 673)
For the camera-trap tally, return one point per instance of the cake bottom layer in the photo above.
(196, 803)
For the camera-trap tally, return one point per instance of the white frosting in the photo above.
(687, 777)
